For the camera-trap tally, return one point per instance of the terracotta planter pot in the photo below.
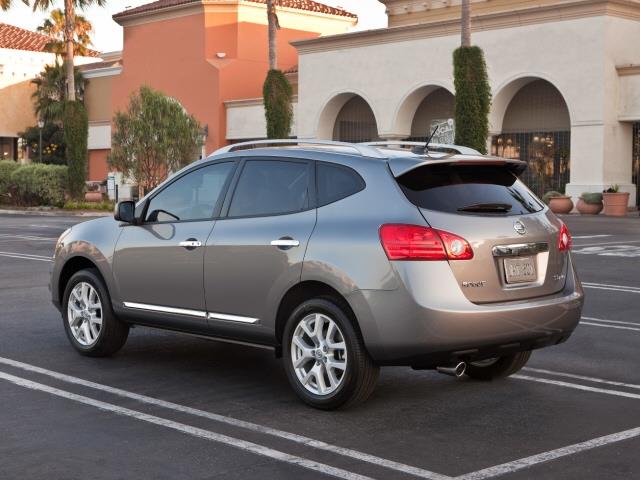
(561, 204)
(615, 204)
(588, 208)
(95, 197)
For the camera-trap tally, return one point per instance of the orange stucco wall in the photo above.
(178, 56)
(98, 167)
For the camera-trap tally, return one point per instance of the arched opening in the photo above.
(355, 122)
(536, 128)
(436, 109)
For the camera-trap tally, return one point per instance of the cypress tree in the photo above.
(473, 97)
(76, 132)
(277, 95)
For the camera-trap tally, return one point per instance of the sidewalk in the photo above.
(54, 212)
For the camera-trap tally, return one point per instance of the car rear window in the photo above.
(468, 189)
(336, 182)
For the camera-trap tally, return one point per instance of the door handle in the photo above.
(285, 242)
(190, 244)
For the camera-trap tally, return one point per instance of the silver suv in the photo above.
(340, 257)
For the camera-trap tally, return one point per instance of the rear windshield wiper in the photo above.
(486, 208)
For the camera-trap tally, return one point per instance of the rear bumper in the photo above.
(435, 324)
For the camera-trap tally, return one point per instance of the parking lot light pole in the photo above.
(40, 125)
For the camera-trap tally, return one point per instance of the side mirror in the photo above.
(125, 212)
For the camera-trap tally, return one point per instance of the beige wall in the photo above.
(576, 47)
(97, 99)
(16, 108)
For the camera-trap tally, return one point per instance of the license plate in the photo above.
(520, 270)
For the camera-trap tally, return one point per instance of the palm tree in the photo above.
(54, 27)
(50, 92)
(69, 17)
(273, 27)
(466, 24)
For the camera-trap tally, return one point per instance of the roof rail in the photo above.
(360, 148)
(434, 146)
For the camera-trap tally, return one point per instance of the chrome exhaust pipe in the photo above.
(455, 370)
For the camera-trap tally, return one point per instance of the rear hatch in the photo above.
(514, 238)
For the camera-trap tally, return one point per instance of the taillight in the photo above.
(413, 242)
(565, 242)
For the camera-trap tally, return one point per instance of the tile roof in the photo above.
(16, 38)
(291, 70)
(308, 5)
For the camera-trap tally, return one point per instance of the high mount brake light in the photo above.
(565, 242)
(413, 242)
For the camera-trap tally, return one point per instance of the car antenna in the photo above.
(425, 150)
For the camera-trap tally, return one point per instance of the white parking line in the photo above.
(528, 462)
(578, 386)
(620, 242)
(577, 237)
(615, 288)
(27, 237)
(582, 377)
(592, 319)
(188, 429)
(26, 256)
(309, 442)
(617, 327)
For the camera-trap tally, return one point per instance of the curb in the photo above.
(57, 213)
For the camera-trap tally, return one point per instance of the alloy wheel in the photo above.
(319, 354)
(84, 314)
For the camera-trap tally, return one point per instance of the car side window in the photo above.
(271, 187)
(193, 196)
(336, 182)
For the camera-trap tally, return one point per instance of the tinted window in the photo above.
(192, 197)
(336, 182)
(470, 189)
(268, 187)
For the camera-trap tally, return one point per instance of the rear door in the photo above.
(255, 254)
(514, 238)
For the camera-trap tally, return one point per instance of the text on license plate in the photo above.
(520, 270)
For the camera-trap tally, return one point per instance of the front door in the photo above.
(255, 254)
(158, 264)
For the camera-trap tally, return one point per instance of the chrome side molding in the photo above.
(231, 318)
(160, 309)
(191, 313)
(518, 249)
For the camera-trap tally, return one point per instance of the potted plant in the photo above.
(615, 202)
(93, 193)
(558, 203)
(590, 203)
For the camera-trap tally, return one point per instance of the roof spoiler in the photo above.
(401, 165)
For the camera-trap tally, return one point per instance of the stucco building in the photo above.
(22, 58)
(565, 77)
(203, 53)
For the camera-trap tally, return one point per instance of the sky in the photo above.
(107, 36)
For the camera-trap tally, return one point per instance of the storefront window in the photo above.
(546, 153)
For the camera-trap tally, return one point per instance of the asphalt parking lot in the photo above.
(172, 406)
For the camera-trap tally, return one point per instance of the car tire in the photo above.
(501, 367)
(345, 387)
(89, 321)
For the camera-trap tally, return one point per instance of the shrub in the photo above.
(592, 198)
(277, 95)
(76, 131)
(39, 184)
(473, 98)
(89, 206)
(546, 198)
(7, 167)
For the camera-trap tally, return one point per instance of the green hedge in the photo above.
(277, 96)
(7, 167)
(34, 184)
